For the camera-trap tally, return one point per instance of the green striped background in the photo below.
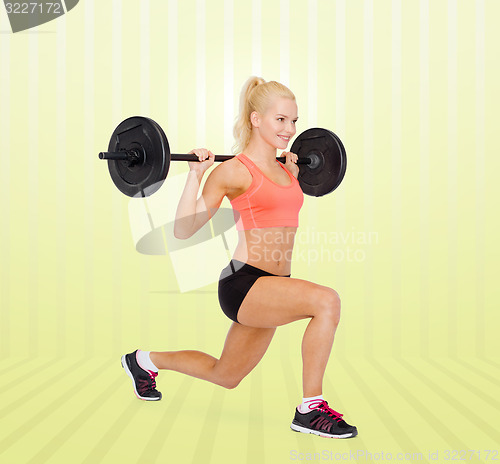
(410, 86)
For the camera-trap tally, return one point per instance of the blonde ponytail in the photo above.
(256, 95)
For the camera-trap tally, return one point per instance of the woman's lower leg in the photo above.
(194, 363)
(243, 349)
(316, 347)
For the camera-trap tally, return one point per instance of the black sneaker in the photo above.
(323, 421)
(144, 381)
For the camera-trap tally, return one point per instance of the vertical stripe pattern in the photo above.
(89, 212)
(396, 175)
(424, 135)
(452, 176)
(411, 89)
(6, 232)
(480, 218)
(369, 167)
(33, 205)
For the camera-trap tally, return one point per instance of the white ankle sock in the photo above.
(304, 407)
(145, 361)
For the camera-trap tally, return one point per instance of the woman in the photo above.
(255, 289)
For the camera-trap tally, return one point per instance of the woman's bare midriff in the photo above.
(269, 249)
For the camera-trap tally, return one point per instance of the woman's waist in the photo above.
(276, 261)
(237, 267)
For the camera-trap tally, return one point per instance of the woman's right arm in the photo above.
(192, 212)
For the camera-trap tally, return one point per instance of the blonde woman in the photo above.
(255, 290)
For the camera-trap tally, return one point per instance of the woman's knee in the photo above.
(227, 379)
(329, 304)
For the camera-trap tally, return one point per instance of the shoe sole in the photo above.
(298, 428)
(127, 370)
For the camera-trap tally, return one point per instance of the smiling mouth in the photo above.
(286, 139)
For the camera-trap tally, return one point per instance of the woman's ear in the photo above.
(255, 119)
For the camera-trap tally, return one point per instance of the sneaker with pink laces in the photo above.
(143, 380)
(323, 421)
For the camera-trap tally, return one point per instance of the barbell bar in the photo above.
(134, 157)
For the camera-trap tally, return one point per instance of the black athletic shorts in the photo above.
(235, 281)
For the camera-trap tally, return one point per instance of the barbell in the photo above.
(139, 158)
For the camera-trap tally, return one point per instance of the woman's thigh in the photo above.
(275, 301)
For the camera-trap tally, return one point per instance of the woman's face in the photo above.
(277, 125)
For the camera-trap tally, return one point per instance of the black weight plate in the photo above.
(327, 174)
(147, 176)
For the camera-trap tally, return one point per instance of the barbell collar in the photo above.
(133, 156)
(116, 156)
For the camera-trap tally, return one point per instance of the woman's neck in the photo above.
(260, 151)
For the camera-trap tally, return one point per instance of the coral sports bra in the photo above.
(266, 203)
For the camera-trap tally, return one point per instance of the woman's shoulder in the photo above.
(235, 175)
(233, 168)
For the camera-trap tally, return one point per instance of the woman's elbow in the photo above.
(183, 228)
(181, 235)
